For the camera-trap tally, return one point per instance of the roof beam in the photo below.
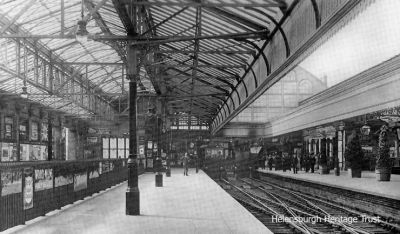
(233, 52)
(204, 4)
(17, 16)
(164, 21)
(200, 77)
(121, 7)
(198, 66)
(94, 63)
(105, 29)
(137, 40)
(231, 16)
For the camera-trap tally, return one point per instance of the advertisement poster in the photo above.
(24, 151)
(105, 167)
(63, 180)
(22, 131)
(34, 152)
(44, 132)
(43, 152)
(101, 168)
(8, 131)
(34, 131)
(8, 127)
(11, 182)
(28, 188)
(8, 153)
(141, 149)
(94, 174)
(149, 163)
(43, 179)
(80, 181)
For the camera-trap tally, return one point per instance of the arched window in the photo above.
(305, 86)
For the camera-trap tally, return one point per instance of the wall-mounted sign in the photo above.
(92, 140)
(92, 131)
(149, 145)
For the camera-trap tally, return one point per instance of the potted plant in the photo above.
(354, 157)
(383, 163)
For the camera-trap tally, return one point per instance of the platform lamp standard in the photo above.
(132, 193)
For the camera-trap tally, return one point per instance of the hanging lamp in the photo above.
(82, 34)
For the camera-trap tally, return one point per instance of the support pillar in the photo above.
(17, 134)
(336, 153)
(50, 138)
(132, 193)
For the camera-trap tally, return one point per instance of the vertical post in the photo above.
(336, 153)
(49, 138)
(62, 18)
(18, 138)
(132, 193)
(109, 146)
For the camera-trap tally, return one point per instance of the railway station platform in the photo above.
(185, 204)
(366, 184)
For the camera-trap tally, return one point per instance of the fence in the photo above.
(32, 189)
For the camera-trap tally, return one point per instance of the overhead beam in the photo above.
(231, 16)
(200, 77)
(137, 40)
(204, 4)
(122, 7)
(164, 21)
(198, 66)
(94, 63)
(233, 52)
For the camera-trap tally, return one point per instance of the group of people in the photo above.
(286, 162)
(185, 164)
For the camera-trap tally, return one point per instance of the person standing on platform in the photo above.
(264, 159)
(312, 162)
(294, 164)
(270, 162)
(185, 165)
(307, 162)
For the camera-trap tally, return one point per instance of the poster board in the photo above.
(28, 188)
(34, 152)
(24, 152)
(43, 179)
(34, 134)
(63, 180)
(80, 181)
(43, 131)
(11, 182)
(94, 174)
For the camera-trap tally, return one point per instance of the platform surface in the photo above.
(185, 204)
(366, 184)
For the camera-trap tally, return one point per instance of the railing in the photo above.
(32, 189)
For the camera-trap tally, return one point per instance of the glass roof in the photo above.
(205, 48)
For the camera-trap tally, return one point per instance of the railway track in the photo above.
(286, 211)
